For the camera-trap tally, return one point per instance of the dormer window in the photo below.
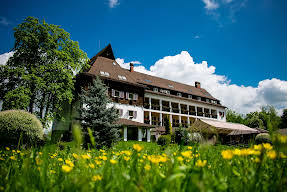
(179, 94)
(155, 89)
(121, 77)
(171, 86)
(147, 80)
(198, 98)
(104, 73)
(114, 63)
(190, 96)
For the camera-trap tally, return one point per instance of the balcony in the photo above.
(146, 121)
(146, 105)
(175, 110)
(214, 116)
(200, 114)
(155, 107)
(192, 113)
(184, 111)
(166, 108)
(155, 122)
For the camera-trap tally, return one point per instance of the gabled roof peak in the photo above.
(106, 52)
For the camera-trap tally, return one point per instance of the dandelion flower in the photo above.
(75, 156)
(13, 158)
(137, 147)
(271, 154)
(227, 154)
(112, 161)
(267, 146)
(87, 156)
(126, 158)
(60, 159)
(97, 178)
(7, 148)
(70, 163)
(200, 163)
(180, 158)
(147, 167)
(66, 168)
(91, 165)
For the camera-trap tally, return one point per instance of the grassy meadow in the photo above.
(141, 166)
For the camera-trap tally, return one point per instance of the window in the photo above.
(190, 96)
(198, 98)
(114, 63)
(120, 112)
(131, 96)
(155, 89)
(117, 93)
(122, 77)
(171, 86)
(165, 91)
(179, 94)
(132, 114)
(104, 73)
(207, 100)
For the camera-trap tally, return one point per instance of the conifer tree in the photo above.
(96, 115)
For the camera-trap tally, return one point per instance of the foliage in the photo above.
(39, 75)
(95, 114)
(164, 140)
(182, 136)
(144, 167)
(168, 127)
(17, 125)
(263, 138)
(253, 120)
(284, 119)
(232, 116)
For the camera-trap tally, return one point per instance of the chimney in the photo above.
(131, 67)
(197, 84)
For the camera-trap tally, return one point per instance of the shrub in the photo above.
(182, 136)
(17, 124)
(164, 140)
(195, 137)
(263, 138)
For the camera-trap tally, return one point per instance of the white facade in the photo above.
(219, 110)
(125, 112)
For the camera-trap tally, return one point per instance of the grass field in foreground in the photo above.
(140, 166)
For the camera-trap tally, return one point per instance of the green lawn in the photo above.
(143, 167)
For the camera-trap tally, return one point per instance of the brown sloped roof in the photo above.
(112, 67)
(128, 122)
(104, 61)
(164, 83)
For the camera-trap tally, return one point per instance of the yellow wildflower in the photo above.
(180, 158)
(137, 147)
(13, 158)
(187, 154)
(200, 163)
(101, 150)
(87, 156)
(147, 167)
(40, 153)
(38, 161)
(97, 178)
(7, 148)
(237, 152)
(174, 153)
(141, 160)
(267, 146)
(13, 151)
(70, 163)
(60, 159)
(257, 160)
(98, 162)
(126, 158)
(66, 168)
(189, 147)
(52, 171)
(91, 165)
(257, 147)
(271, 154)
(75, 156)
(112, 161)
(227, 154)
(104, 158)
(18, 151)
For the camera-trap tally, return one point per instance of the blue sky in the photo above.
(244, 40)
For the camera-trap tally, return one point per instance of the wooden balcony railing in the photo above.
(155, 107)
(175, 110)
(166, 108)
(192, 113)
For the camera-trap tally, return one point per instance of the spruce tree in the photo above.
(96, 115)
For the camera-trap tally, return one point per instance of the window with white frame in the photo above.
(103, 73)
(132, 114)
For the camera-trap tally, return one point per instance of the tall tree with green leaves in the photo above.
(167, 125)
(39, 76)
(232, 116)
(97, 116)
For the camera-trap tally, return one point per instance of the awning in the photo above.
(219, 127)
(131, 123)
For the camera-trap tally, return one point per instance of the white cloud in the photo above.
(4, 57)
(243, 99)
(113, 3)
(210, 4)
